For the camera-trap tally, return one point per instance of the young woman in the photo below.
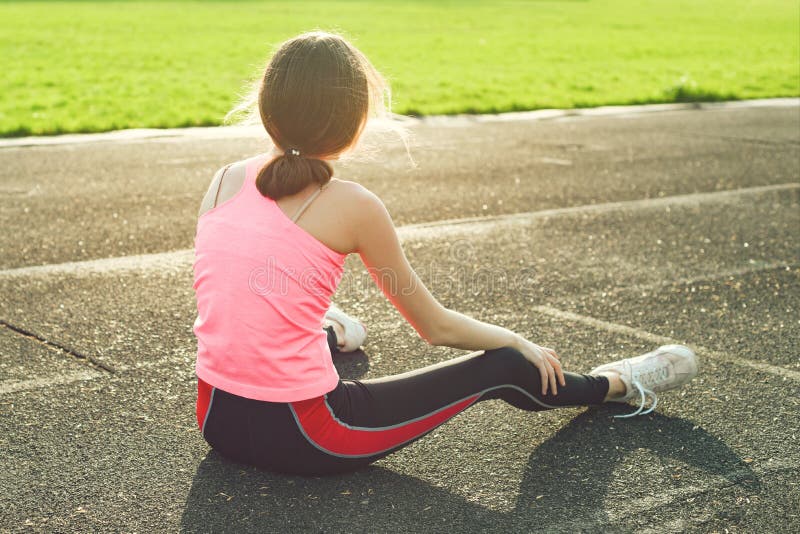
(272, 237)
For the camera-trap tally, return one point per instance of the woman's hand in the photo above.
(546, 360)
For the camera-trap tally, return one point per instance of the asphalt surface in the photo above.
(599, 236)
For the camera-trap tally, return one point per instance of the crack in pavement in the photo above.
(737, 477)
(753, 140)
(58, 347)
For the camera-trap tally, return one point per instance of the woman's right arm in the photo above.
(379, 247)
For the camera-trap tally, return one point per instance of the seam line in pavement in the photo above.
(14, 386)
(645, 203)
(58, 346)
(644, 335)
(699, 279)
(179, 258)
(757, 267)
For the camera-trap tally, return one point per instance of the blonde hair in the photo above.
(317, 95)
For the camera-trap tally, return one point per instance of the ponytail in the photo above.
(287, 175)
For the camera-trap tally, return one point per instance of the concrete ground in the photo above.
(602, 236)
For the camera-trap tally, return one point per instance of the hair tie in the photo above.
(292, 152)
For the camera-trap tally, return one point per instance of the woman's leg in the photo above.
(362, 421)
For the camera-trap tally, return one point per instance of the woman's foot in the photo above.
(667, 367)
(350, 332)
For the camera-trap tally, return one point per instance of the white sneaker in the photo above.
(667, 367)
(354, 330)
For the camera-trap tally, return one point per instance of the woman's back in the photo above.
(326, 218)
(263, 284)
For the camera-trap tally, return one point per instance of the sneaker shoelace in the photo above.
(648, 376)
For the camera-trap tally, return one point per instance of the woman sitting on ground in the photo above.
(271, 241)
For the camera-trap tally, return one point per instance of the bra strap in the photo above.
(219, 185)
(307, 203)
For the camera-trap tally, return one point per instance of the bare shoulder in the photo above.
(364, 216)
(225, 183)
(355, 199)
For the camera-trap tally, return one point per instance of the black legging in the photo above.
(363, 420)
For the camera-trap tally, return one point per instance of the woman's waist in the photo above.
(274, 354)
(272, 383)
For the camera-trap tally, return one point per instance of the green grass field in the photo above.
(95, 66)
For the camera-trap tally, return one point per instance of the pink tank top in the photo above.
(263, 285)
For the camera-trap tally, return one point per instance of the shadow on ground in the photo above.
(565, 485)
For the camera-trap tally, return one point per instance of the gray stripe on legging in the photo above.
(208, 411)
(376, 429)
(420, 418)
